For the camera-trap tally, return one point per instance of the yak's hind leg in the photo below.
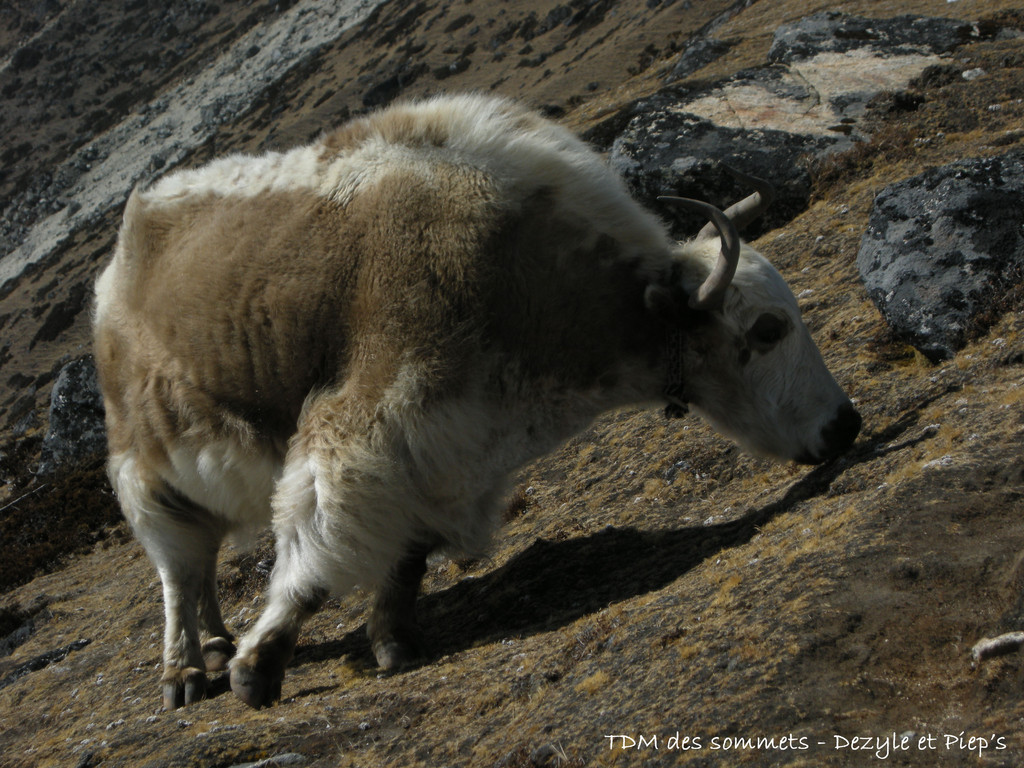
(219, 646)
(182, 539)
(392, 628)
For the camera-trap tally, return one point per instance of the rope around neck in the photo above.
(675, 389)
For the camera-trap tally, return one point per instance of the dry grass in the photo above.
(45, 521)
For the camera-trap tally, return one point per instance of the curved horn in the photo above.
(747, 209)
(712, 291)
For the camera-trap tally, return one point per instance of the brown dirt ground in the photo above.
(654, 581)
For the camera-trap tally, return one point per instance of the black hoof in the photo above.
(217, 652)
(182, 687)
(253, 687)
(395, 654)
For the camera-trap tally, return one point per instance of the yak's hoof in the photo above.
(217, 652)
(394, 654)
(254, 687)
(184, 686)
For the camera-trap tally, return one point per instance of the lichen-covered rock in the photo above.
(942, 248)
(833, 32)
(767, 121)
(699, 53)
(76, 432)
(668, 150)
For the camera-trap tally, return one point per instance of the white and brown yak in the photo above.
(357, 341)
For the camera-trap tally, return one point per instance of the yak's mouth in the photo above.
(837, 436)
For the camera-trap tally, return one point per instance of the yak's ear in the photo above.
(665, 298)
(669, 303)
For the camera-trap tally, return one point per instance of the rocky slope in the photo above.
(656, 598)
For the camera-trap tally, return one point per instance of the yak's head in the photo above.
(737, 351)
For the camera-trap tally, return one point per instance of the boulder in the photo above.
(943, 248)
(668, 150)
(76, 432)
(697, 55)
(768, 121)
(834, 32)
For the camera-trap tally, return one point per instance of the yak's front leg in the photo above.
(297, 590)
(392, 628)
(258, 668)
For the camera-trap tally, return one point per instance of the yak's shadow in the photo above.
(553, 583)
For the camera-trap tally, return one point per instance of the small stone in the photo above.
(278, 761)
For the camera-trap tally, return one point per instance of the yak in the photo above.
(358, 341)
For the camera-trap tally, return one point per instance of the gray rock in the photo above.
(768, 121)
(835, 32)
(288, 758)
(76, 432)
(697, 55)
(666, 149)
(942, 249)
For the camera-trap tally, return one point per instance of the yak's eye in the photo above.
(767, 331)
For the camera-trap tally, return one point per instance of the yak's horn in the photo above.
(747, 209)
(712, 291)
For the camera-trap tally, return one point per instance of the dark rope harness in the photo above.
(675, 390)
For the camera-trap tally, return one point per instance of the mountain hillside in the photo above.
(656, 597)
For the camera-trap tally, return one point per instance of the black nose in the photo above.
(840, 433)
